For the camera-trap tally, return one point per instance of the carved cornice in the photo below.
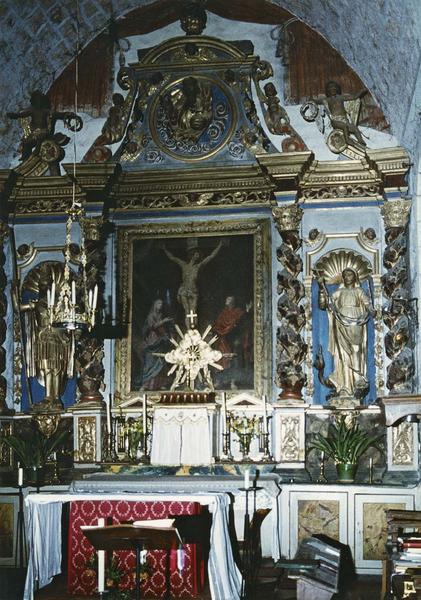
(397, 407)
(200, 187)
(94, 178)
(340, 179)
(42, 195)
(391, 163)
(286, 169)
(53, 195)
(365, 178)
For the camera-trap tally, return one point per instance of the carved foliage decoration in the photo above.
(290, 439)
(397, 309)
(291, 348)
(86, 435)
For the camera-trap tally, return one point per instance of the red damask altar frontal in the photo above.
(82, 580)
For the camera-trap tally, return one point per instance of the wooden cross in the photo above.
(191, 317)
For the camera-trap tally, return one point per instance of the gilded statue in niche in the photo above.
(49, 351)
(349, 309)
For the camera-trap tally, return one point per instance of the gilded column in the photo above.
(291, 348)
(397, 311)
(90, 350)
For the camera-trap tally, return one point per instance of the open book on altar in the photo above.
(155, 523)
(146, 524)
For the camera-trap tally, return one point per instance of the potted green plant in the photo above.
(345, 443)
(33, 449)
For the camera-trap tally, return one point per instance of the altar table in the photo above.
(44, 537)
(81, 579)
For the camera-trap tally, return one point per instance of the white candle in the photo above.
(224, 413)
(95, 299)
(101, 563)
(247, 479)
(73, 293)
(265, 415)
(109, 413)
(90, 299)
(20, 475)
(371, 463)
(322, 456)
(48, 298)
(144, 412)
(53, 293)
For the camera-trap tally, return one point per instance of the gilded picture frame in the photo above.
(231, 283)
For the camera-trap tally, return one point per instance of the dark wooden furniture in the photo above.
(323, 568)
(130, 537)
(393, 584)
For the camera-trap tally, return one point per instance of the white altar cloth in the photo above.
(181, 437)
(44, 538)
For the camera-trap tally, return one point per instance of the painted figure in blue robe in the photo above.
(155, 339)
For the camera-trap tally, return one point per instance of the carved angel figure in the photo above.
(38, 122)
(342, 111)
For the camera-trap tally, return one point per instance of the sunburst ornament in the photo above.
(192, 358)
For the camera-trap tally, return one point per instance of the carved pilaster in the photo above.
(90, 352)
(291, 348)
(397, 309)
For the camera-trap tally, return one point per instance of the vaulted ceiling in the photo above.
(380, 40)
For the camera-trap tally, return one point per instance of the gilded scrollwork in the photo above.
(87, 439)
(5, 450)
(342, 191)
(197, 199)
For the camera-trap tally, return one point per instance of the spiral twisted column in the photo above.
(397, 310)
(90, 350)
(290, 345)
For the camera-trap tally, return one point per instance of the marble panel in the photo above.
(375, 528)
(318, 516)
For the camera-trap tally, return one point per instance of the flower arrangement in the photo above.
(243, 425)
(246, 429)
(133, 431)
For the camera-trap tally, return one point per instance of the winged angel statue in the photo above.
(336, 115)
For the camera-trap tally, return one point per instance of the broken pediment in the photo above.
(191, 100)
